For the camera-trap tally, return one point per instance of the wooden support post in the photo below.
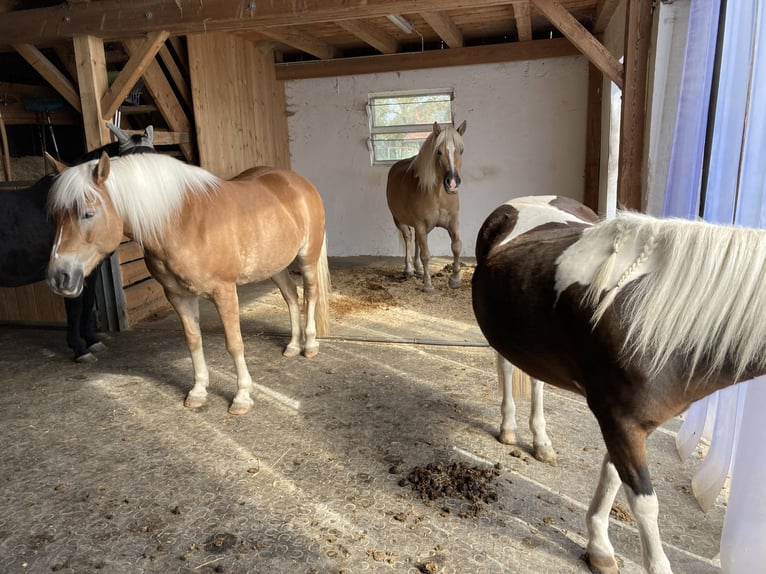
(92, 80)
(638, 28)
(593, 138)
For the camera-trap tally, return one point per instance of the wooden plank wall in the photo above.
(34, 303)
(239, 105)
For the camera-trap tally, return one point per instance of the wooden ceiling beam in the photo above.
(443, 25)
(301, 41)
(371, 34)
(117, 19)
(131, 72)
(470, 55)
(584, 40)
(523, 21)
(51, 73)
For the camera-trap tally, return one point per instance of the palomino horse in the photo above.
(641, 316)
(536, 211)
(26, 239)
(422, 194)
(202, 236)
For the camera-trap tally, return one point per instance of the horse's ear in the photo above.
(437, 129)
(122, 137)
(149, 134)
(101, 171)
(57, 166)
(461, 128)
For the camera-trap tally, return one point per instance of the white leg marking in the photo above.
(645, 510)
(599, 547)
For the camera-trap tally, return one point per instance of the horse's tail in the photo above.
(521, 385)
(324, 285)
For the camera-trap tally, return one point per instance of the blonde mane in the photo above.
(147, 190)
(425, 164)
(700, 290)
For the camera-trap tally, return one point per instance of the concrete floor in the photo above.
(104, 470)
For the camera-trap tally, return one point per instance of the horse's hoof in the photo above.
(311, 352)
(240, 408)
(428, 288)
(409, 272)
(455, 283)
(419, 272)
(291, 351)
(545, 453)
(86, 358)
(601, 564)
(508, 437)
(194, 402)
(97, 347)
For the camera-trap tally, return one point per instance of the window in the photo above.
(401, 121)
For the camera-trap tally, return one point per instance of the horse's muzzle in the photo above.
(451, 182)
(65, 280)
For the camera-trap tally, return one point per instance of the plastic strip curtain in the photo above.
(734, 193)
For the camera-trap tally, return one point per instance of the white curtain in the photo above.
(734, 193)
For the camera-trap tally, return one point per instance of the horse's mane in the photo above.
(147, 190)
(702, 292)
(424, 164)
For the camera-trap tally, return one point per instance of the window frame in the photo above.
(402, 128)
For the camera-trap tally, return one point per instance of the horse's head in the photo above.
(448, 144)
(88, 227)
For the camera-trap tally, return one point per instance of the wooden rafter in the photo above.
(302, 41)
(371, 34)
(523, 21)
(584, 40)
(131, 72)
(164, 97)
(117, 19)
(604, 12)
(443, 25)
(51, 73)
(92, 79)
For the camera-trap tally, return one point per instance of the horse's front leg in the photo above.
(187, 307)
(290, 294)
(456, 279)
(600, 552)
(421, 241)
(227, 303)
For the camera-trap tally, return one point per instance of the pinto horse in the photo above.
(537, 211)
(202, 236)
(641, 316)
(422, 194)
(26, 239)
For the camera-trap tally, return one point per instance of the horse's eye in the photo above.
(461, 151)
(88, 215)
(438, 152)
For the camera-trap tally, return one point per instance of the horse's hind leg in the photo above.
(187, 307)
(290, 294)
(541, 444)
(227, 303)
(456, 279)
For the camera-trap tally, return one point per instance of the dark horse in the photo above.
(26, 239)
(641, 316)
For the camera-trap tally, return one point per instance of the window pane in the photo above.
(407, 110)
(393, 147)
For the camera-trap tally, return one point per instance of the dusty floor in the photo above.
(104, 470)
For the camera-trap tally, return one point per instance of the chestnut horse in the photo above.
(422, 194)
(202, 236)
(641, 316)
(536, 211)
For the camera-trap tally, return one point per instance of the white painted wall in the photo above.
(525, 136)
